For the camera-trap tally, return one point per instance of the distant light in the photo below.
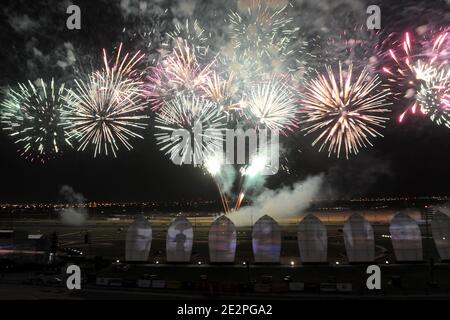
(443, 238)
(387, 262)
(199, 262)
(292, 263)
(244, 263)
(81, 253)
(157, 262)
(337, 262)
(117, 261)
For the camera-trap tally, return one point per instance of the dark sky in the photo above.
(412, 159)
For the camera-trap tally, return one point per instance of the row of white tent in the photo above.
(311, 234)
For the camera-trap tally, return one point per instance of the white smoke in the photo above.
(281, 203)
(72, 216)
(227, 177)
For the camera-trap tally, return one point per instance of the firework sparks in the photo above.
(434, 97)
(273, 105)
(346, 113)
(190, 127)
(261, 31)
(213, 166)
(358, 46)
(105, 110)
(191, 32)
(178, 72)
(219, 90)
(413, 65)
(32, 116)
(257, 165)
(263, 37)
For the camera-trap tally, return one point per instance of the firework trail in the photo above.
(272, 105)
(32, 117)
(345, 112)
(413, 64)
(213, 165)
(190, 127)
(104, 111)
(250, 175)
(178, 72)
(434, 97)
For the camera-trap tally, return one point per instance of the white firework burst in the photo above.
(31, 114)
(189, 129)
(272, 104)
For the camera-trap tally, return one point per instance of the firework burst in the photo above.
(273, 105)
(178, 72)
(261, 29)
(32, 116)
(414, 64)
(191, 32)
(434, 97)
(263, 37)
(345, 112)
(220, 91)
(105, 110)
(189, 128)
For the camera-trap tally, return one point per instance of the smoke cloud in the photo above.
(72, 216)
(227, 178)
(285, 202)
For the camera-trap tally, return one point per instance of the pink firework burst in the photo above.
(413, 63)
(177, 72)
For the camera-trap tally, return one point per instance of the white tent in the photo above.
(359, 240)
(406, 238)
(138, 240)
(222, 240)
(180, 237)
(266, 240)
(440, 228)
(312, 240)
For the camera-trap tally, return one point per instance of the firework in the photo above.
(32, 116)
(358, 46)
(105, 110)
(190, 127)
(251, 175)
(178, 72)
(191, 32)
(262, 36)
(219, 90)
(257, 165)
(413, 64)
(146, 32)
(261, 29)
(213, 166)
(434, 97)
(436, 46)
(273, 105)
(344, 113)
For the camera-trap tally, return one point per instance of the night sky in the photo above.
(413, 159)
